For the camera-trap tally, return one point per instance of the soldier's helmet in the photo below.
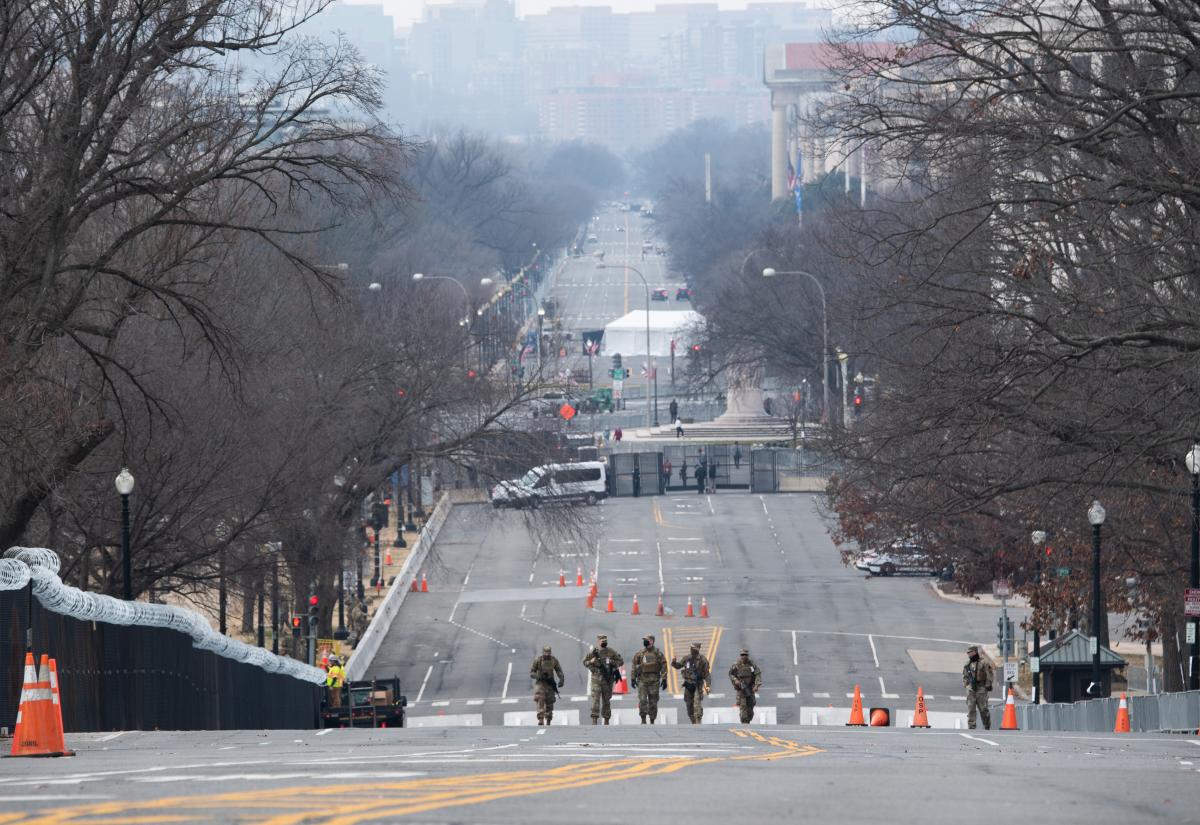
(972, 649)
(649, 639)
(745, 652)
(695, 647)
(600, 637)
(546, 651)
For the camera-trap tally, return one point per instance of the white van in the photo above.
(585, 481)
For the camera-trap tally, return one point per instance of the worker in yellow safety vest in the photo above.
(335, 678)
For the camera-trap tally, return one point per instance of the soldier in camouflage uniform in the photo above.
(543, 672)
(977, 679)
(648, 675)
(604, 664)
(746, 677)
(697, 681)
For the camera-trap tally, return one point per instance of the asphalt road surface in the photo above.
(765, 565)
(555, 775)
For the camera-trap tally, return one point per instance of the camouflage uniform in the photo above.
(977, 679)
(648, 674)
(746, 677)
(604, 664)
(359, 622)
(697, 679)
(543, 672)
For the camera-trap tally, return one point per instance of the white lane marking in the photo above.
(268, 777)
(795, 652)
(1184, 762)
(874, 654)
(579, 698)
(323, 732)
(711, 511)
(531, 578)
(683, 538)
(980, 739)
(958, 698)
(483, 635)
(74, 779)
(787, 695)
(859, 635)
(1194, 741)
(883, 691)
(507, 676)
(111, 736)
(424, 682)
(819, 695)
(764, 504)
(541, 732)
(555, 630)
(624, 541)
(662, 585)
(441, 704)
(797, 675)
(627, 570)
(53, 798)
(474, 701)
(509, 701)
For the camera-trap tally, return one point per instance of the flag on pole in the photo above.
(791, 174)
(798, 183)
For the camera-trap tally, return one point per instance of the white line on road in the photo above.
(323, 732)
(475, 701)
(683, 538)
(509, 701)
(711, 511)
(788, 695)
(662, 587)
(797, 675)
(819, 695)
(555, 630)
(874, 655)
(507, 676)
(795, 652)
(883, 691)
(442, 704)
(483, 635)
(425, 681)
(1194, 741)
(54, 798)
(624, 541)
(980, 739)
(111, 736)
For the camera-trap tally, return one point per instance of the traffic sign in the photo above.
(566, 411)
(1191, 633)
(1191, 601)
(1003, 588)
(1063, 572)
(1010, 671)
(618, 385)
(1035, 664)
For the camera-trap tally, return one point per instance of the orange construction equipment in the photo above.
(636, 611)
(1122, 725)
(659, 611)
(856, 713)
(703, 607)
(610, 607)
(920, 717)
(690, 612)
(424, 584)
(562, 579)
(39, 725)
(621, 686)
(1009, 722)
(579, 577)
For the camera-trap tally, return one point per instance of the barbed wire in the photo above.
(21, 566)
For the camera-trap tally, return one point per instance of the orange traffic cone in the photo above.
(703, 607)
(591, 600)
(856, 712)
(424, 584)
(690, 612)
(595, 587)
(415, 588)
(36, 733)
(387, 559)
(1009, 722)
(920, 717)
(1122, 725)
(562, 579)
(610, 607)
(880, 718)
(579, 577)
(636, 611)
(621, 685)
(56, 708)
(660, 610)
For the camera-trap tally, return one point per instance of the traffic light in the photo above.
(379, 517)
(696, 349)
(1004, 635)
(313, 603)
(471, 374)
(297, 626)
(616, 365)
(858, 403)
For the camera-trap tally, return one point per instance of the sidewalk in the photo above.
(980, 600)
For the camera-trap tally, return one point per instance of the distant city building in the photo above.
(586, 72)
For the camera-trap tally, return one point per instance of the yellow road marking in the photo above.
(353, 804)
(678, 641)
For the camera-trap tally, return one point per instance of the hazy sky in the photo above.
(406, 11)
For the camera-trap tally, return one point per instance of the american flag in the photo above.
(528, 350)
(592, 347)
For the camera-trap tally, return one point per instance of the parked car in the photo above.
(683, 294)
(659, 295)
(903, 560)
(554, 483)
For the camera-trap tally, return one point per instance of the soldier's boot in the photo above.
(549, 718)
(595, 720)
(540, 723)
(643, 718)
(606, 720)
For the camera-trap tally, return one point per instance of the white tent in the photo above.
(627, 334)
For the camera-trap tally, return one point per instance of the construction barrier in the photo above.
(1166, 712)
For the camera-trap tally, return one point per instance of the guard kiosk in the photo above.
(1066, 666)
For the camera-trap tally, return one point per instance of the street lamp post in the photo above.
(1095, 516)
(341, 634)
(650, 363)
(466, 320)
(541, 315)
(771, 273)
(124, 485)
(1039, 541)
(275, 547)
(1193, 465)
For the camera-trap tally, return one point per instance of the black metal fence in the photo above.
(737, 466)
(114, 677)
